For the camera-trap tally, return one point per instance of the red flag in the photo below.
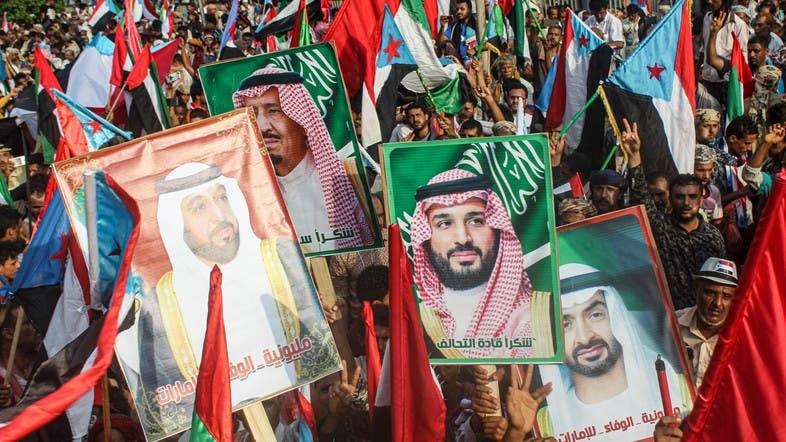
(576, 186)
(119, 58)
(373, 361)
(46, 80)
(73, 142)
(213, 400)
(355, 19)
(163, 57)
(134, 40)
(742, 397)
(744, 71)
(301, 26)
(141, 69)
(417, 407)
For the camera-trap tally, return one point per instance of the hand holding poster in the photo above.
(477, 218)
(303, 116)
(208, 197)
(617, 319)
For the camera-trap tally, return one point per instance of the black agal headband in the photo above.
(480, 182)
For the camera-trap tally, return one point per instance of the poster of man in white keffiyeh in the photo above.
(299, 101)
(211, 208)
(477, 218)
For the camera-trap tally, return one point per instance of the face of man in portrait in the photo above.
(284, 138)
(210, 227)
(462, 248)
(591, 350)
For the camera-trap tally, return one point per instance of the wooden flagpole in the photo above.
(20, 317)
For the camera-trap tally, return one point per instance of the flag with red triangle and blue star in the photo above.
(571, 72)
(656, 87)
(393, 61)
(98, 131)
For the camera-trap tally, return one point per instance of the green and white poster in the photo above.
(478, 221)
(618, 321)
(304, 119)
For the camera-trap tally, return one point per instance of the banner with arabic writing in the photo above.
(325, 186)
(478, 219)
(208, 202)
(618, 320)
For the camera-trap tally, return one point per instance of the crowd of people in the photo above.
(702, 222)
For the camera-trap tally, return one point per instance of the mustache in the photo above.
(589, 345)
(222, 225)
(465, 248)
(270, 134)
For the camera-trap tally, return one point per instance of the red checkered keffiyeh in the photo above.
(343, 206)
(508, 288)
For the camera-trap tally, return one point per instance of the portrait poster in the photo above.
(208, 202)
(478, 220)
(617, 319)
(322, 179)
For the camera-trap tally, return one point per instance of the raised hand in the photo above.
(631, 144)
(522, 404)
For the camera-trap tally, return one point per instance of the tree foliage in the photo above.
(28, 11)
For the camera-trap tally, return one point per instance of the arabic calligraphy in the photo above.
(342, 233)
(175, 392)
(272, 357)
(574, 435)
(515, 167)
(500, 342)
(617, 425)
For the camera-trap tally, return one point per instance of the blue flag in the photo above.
(229, 28)
(44, 261)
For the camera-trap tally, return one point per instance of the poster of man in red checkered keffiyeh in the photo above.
(477, 219)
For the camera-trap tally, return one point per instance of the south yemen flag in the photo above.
(212, 419)
(656, 87)
(572, 70)
(740, 82)
(392, 63)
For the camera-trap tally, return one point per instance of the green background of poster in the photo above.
(410, 165)
(318, 65)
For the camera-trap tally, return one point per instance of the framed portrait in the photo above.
(477, 217)
(303, 115)
(208, 198)
(617, 320)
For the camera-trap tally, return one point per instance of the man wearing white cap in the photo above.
(609, 373)
(715, 286)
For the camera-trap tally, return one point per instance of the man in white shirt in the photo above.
(321, 201)
(716, 284)
(609, 25)
(469, 267)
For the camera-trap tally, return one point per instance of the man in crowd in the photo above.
(715, 285)
(312, 178)
(610, 27)
(461, 29)
(468, 265)
(606, 189)
(684, 239)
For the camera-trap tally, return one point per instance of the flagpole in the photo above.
(91, 209)
(105, 412)
(535, 19)
(480, 13)
(578, 114)
(428, 92)
(20, 317)
(612, 120)
(117, 99)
